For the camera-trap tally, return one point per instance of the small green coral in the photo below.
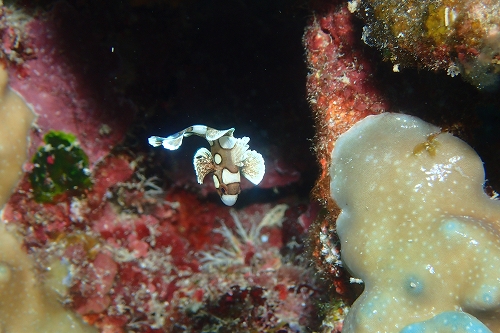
(60, 166)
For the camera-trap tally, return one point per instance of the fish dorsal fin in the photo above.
(174, 141)
(214, 134)
(203, 164)
(253, 167)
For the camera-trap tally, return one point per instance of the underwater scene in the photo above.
(281, 166)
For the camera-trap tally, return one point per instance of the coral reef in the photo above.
(340, 87)
(26, 303)
(414, 214)
(459, 37)
(340, 63)
(164, 269)
(341, 90)
(247, 285)
(133, 243)
(122, 234)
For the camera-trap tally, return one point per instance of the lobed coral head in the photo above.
(416, 226)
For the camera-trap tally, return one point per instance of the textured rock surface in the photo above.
(415, 226)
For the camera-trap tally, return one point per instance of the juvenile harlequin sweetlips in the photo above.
(229, 156)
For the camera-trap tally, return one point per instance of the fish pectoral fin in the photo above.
(253, 167)
(203, 164)
(239, 151)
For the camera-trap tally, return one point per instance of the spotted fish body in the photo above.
(227, 160)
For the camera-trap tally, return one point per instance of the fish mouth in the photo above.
(229, 199)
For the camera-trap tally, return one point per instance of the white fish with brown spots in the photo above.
(227, 160)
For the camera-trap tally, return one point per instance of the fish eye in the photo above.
(223, 190)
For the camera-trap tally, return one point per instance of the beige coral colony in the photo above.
(26, 305)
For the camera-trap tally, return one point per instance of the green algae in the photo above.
(60, 167)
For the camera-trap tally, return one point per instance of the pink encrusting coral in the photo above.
(69, 95)
(341, 89)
